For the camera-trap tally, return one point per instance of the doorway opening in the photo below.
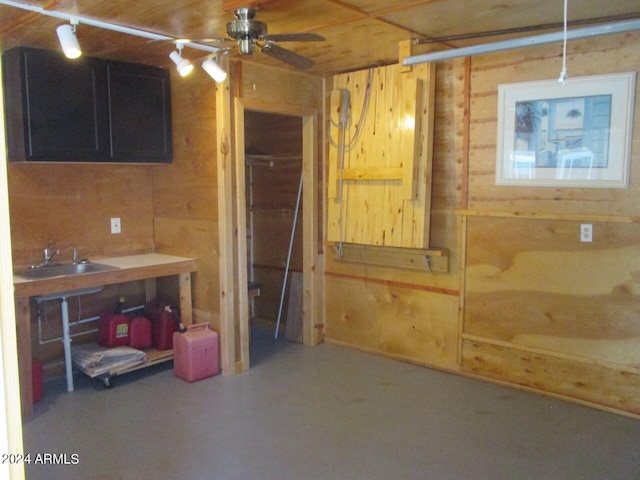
(234, 218)
(273, 196)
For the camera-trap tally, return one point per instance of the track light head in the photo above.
(68, 40)
(183, 65)
(215, 71)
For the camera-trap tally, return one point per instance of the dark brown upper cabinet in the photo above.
(85, 110)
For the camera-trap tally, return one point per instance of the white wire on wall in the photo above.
(343, 147)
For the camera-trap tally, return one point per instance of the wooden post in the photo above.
(404, 52)
(225, 224)
(241, 236)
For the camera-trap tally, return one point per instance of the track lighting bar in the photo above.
(619, 27)
(105, 25)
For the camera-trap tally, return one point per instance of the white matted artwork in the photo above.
(576, 134)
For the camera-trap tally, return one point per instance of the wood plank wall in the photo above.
(525, 302)
(185, 210)
(383, 193)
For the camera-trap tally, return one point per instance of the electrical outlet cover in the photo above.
(115, 225)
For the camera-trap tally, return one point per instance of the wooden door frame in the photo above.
(234, 301)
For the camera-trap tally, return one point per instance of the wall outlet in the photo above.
(116, 227)
(586, 232)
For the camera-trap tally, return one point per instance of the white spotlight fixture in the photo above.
(68, 40)
(183, 65)
(215, 71)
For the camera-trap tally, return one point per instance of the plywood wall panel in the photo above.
(266, 306)
(271, 237)
(275, 135)
(276, 186)
(260, 82)
(187, 188)
(397, 321)
(72, 205)
(185, 193)
(546, 289)
(196, 239)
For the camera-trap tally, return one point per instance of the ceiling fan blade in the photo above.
(286, 56)
(184, 40)
(214, 40)
(295, 37)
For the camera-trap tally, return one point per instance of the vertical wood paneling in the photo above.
(385, 187)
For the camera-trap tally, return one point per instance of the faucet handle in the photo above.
(48, 253)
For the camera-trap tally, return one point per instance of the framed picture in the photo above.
(576, 134)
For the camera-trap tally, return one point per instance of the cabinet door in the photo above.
(63, 107)
(139, 112)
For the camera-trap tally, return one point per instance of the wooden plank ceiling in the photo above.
(359, 33)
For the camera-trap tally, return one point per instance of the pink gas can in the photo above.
(195, 353)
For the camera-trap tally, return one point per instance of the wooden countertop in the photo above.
(130, 268)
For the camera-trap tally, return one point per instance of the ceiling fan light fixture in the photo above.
(68, 40)
(215, 71)
(183, 65)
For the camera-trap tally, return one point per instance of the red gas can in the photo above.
(113, 330)
(140, 332)
(195, 353)
(37, 383)
(164, 322)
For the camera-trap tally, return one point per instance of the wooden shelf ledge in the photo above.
(427, 259)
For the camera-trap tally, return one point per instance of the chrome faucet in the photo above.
(74, 255)
(48, 253)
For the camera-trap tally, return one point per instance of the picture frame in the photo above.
(572, 134)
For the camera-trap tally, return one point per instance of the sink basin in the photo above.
(64, 270)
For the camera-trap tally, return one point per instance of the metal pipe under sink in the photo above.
(66, 338)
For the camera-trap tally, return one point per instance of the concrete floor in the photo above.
(323, 413)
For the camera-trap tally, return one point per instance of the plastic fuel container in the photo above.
(195, 353)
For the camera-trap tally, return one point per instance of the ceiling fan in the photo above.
(250, 33)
